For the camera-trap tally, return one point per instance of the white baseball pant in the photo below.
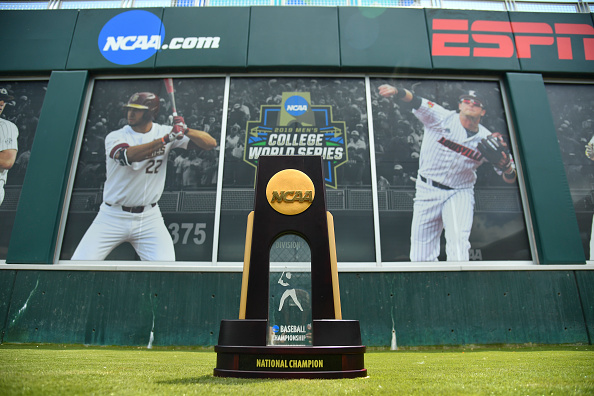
(434, 210)
(145, 231)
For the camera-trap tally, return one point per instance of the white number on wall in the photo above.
(188, 233)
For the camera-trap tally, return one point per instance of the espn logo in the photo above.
(501, 39)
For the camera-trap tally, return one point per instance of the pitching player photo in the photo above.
(137, 156)
(9, 134)
(453, 145)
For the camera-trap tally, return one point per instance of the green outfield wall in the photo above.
(523, 52)
(185, 308)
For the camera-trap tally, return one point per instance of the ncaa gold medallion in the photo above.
(290, 192)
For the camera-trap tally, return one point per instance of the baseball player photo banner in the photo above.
(145, 184)
(300, 116)
(572, 107)
(447, 179)
(20, 106)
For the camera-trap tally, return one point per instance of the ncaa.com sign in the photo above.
(134, 36)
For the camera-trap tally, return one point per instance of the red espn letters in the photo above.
(525, 34)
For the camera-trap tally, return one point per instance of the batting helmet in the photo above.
(5, 94)
(144, 101)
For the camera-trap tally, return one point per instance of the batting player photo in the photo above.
(136, 165)
(454, 145)
(9, 134)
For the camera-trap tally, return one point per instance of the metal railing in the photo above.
(505, 200)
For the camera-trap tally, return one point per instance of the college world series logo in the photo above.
(298, 128)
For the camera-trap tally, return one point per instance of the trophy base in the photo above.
(290, 362)
(242, 352)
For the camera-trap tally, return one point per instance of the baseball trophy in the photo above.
(300, 333)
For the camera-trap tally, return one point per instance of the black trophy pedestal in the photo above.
(337, 352)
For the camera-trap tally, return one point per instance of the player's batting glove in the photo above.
(590, 151)
(494, 149)
(179, 121)
(176, 133)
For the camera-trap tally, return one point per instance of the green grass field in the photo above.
(69, 370)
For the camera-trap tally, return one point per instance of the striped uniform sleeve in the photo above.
(431, 114)
(8, 136)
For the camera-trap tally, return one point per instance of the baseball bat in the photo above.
(171, 92)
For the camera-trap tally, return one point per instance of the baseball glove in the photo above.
(495, 150)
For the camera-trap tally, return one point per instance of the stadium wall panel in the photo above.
(585, 280)
(185, 308)
(461, 308)
(544, 175)
(121, 308)
(7, 278)
(305, 39)
(44, 189)
(38, 43)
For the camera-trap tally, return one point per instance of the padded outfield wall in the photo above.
(528, 280)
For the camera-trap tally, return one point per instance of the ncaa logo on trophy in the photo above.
(290, 192)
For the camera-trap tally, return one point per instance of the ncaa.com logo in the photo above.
(134, 36)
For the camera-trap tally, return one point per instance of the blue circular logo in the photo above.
(131, 37)
(296, 105)
(275, 329)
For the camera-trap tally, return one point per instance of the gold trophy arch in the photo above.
(290, 199)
